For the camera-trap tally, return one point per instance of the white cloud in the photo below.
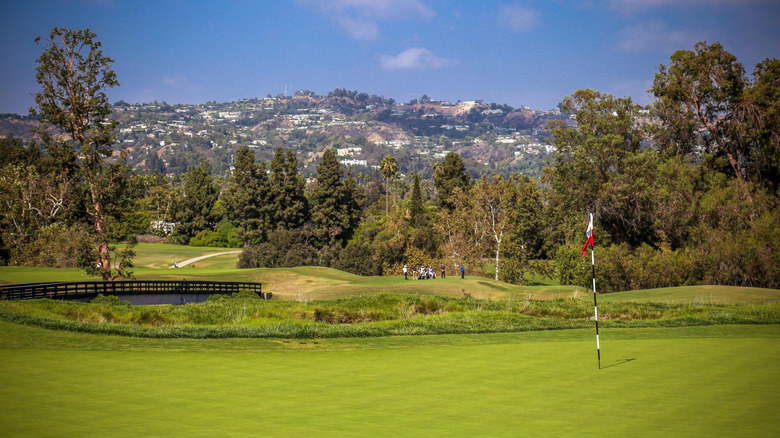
(414, 58)
(654, 36)
(360, 18)
(518, 18)
(359, 28)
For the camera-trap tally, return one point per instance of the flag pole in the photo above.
(593, 266)
(595, 305)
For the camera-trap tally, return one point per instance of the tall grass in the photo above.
(373, 315)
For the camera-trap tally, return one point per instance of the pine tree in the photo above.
(246, 198)
(449, 175)
(195, 211)
(290, 206)
(328, 215)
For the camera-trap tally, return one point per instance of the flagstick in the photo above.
(595, 306)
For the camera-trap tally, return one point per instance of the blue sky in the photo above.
(531, 53)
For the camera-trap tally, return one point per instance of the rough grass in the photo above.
(372, 315)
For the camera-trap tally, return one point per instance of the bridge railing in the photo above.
(90, 289)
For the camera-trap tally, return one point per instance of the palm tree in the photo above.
(389, 168)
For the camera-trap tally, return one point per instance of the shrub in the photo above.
(110, 300)
(56, 246)
(285, 248)
(225, 235)
(245, 294)
(258, 256)
(217, 298)
(358, 258)
(573, 269)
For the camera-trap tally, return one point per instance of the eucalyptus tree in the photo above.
(602, 166)
(698, 95)
(78, 130)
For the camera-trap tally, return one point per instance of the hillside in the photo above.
(166, 138)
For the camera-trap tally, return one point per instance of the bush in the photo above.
(573, 268)
(218, 298)
(225, 236)
(258, 256)
(245, 294)
(358, 258)
(56, 246)
(284, 249)
(110, 300)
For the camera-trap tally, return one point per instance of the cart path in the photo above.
(193, 260)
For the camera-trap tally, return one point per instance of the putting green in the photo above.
(693, 381)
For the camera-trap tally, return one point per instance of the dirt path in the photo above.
(193, 260)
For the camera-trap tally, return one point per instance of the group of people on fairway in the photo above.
(430, 273)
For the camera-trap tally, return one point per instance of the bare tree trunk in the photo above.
(498, 248)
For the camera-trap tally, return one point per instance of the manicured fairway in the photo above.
(696, 381)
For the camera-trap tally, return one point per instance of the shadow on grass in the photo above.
(620, 362)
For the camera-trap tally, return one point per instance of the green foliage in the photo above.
(247, 198)
(600, 166)
(389, 168)
(285, 248)
(358, 258)
(416, 207)
(110, 301)
(245, 294)
(573, 269)
(332, 213)
(448, 176)
(217, 298)
(700, 90)
(226, 235)
(523, 236)
(77, 128)
(287, 191)
(195, 208)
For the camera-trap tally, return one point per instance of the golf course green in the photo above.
(699, 381)
(673, 378)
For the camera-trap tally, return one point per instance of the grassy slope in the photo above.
(697, 381)
(728, 295)
(152, 262)
(309, 283)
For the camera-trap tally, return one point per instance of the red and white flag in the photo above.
(589, 233)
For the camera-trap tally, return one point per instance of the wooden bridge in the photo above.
(136, 292)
